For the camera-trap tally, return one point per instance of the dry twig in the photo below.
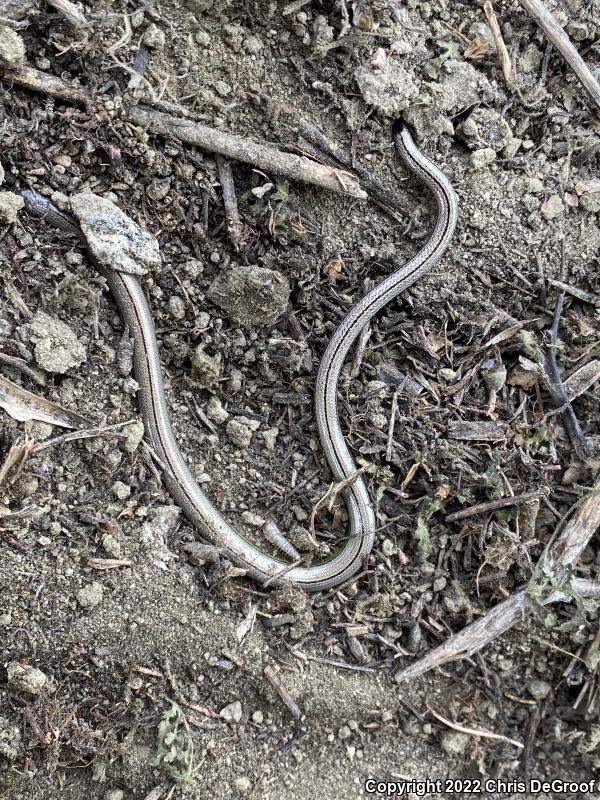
(557, 559)
(561, 41)
(37, 81)
(281, 690)
(494, 505)
(262, 156)
(234, 224)
(474, 731)
(500, 46)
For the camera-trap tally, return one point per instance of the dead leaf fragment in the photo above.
(23, 405)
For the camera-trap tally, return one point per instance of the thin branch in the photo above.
(557, 389)
(37, 81)
(265, 157)
(474, 731)
(561, 41)
(559, 556)
(234, 224)
(494, 505)
(500, 46)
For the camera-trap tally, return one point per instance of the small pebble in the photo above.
(539, 690)
(120, 490)
(24, 678)
(232, 712)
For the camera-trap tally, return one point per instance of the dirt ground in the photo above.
(143, 651)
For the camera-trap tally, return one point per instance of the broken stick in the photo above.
(561, 41)
(265, 157)
(232, 214)
(37, 81)
(556, 560)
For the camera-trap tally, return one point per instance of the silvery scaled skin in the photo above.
(135, 312)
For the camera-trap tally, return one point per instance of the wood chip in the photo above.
(478, 431)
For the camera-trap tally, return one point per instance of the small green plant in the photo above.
(175, 746)
(427, 508)
(272, 202)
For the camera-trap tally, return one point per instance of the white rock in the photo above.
(232, 712)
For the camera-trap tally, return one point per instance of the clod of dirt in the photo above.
(239, 433)
(24, 678)
(482, 158)
(91, 595)
(389, 88)
(155, 533)
(154, 38)
(205, 370)
(251, 295)
(133, 435)
(553, 207)
(453, 742)
(10, 740)
(484, 127)
(215, 410)
(10, 205)
(57, 348)
(12, 49)
(113, 237)
(242, 784)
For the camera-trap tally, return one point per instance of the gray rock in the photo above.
(57, 348)
(12, 49)
(26, 679)
(115, 239)
(90, 595)
(539, 690)
(251, 295)
(10, 205)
